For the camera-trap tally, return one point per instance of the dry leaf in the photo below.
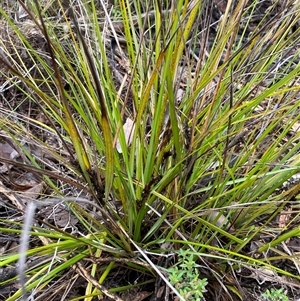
(128, 128)
(284, 218)
(218, 219)
(7, 152)
(22, 13)
(179, 95)
(32, 193)
(60, 214)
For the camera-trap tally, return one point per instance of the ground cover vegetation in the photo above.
(149, 150)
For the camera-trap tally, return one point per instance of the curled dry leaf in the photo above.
(218, 219)
(128, 128)
(59, 214)
(7, 152)
(179, 95)
(32, 193)
(21, 12)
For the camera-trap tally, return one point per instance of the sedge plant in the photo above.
(170, 130)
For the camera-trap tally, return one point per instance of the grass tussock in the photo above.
(144, 130)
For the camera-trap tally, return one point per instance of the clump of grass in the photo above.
(168, 130)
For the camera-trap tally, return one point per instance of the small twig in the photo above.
(120, 260)
(78, 267)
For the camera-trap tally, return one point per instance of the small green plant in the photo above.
(185, 277)
(275, 295)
